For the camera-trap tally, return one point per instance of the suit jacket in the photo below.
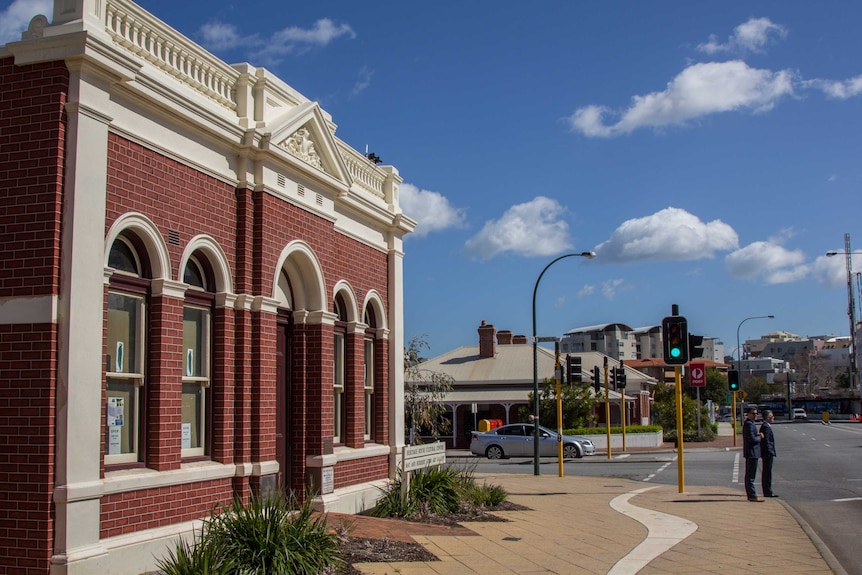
(750, 440)
(767, 444)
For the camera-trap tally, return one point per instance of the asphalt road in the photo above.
(818, 472)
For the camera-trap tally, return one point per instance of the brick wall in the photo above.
(145, 509)
(361, 470)
(32, 136)
(28, 363)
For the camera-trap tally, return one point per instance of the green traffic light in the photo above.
(675, 352)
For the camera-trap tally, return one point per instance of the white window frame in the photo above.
(137, 377)
(339, 375)
(203, 379)
(369, 386)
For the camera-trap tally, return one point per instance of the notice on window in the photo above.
(114, 440)
(116, 409)
(187, 436)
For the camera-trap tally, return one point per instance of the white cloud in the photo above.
(291, 40)
(838, 89)
(530, 229)
(363, 80)
(769, 261)
(296, 40)
(670, 234)
(16, 17)
(611, 287)
(221, 36)
(586, 290)
(832, 271)
(751, 36)
(699, 90)
(431, 210)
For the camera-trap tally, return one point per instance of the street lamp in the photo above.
(739, 365)
(851, 307)
(536, 471)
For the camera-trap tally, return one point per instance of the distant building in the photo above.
(616, 340)
(497, 377)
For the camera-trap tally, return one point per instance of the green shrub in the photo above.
(189, 559)
(269, 536)
(438, 492)
(614, 429)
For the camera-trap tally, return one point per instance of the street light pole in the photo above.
(536, 470)
(739, 365)
(851, 309)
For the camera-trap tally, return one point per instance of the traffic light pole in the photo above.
(680, 462)
(607, 407)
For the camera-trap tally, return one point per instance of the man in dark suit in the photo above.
(767, 453)
(751, 452)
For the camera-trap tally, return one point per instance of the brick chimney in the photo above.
(504, 337)
(486, 339)
(519, 339)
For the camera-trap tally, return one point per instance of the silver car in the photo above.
(516, 440)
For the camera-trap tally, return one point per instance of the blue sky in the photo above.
(709, 152)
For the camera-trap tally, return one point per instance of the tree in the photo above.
(578, 403)
(424, 392)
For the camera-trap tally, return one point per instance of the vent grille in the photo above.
(174, 237)
(300, 189)
(281, 180)
(319, 200)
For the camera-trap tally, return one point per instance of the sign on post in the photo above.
(425, 455)
(697, 374)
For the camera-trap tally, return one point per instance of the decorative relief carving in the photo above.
(301, 145)
(36, 29)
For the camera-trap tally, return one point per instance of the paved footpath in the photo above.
(614, 526)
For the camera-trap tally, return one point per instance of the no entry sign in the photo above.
(697, 374)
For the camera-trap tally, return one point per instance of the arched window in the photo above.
(340, 375)
(197, 358)
(369, 366)
(125, 363)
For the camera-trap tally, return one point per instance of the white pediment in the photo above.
(304, 134)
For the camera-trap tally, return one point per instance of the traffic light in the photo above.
(694, 346)
(674, 333)
(733, 380)
(621, 377)
(573, 369)
(597, 379)
(612, 373)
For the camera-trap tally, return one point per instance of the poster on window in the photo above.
(116, 410)
(187, 436)
(115, 435)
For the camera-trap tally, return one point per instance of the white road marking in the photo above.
(735, 476)
(826, 445)
(664, 531)
(623, 456)
(659, 470)
(847, 499)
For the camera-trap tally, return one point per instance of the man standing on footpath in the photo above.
(767, 452)
(751, 452)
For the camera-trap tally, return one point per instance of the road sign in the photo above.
(697, 374)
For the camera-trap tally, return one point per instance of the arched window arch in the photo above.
(340, 365)
(198, 313)
(125, 361)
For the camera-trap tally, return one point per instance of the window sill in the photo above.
(124, 480)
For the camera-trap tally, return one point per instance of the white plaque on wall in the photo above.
(327, 480)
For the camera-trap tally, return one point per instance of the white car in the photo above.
(799, 413)
(516, 440)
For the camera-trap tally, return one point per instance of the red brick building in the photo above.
(200, 294)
